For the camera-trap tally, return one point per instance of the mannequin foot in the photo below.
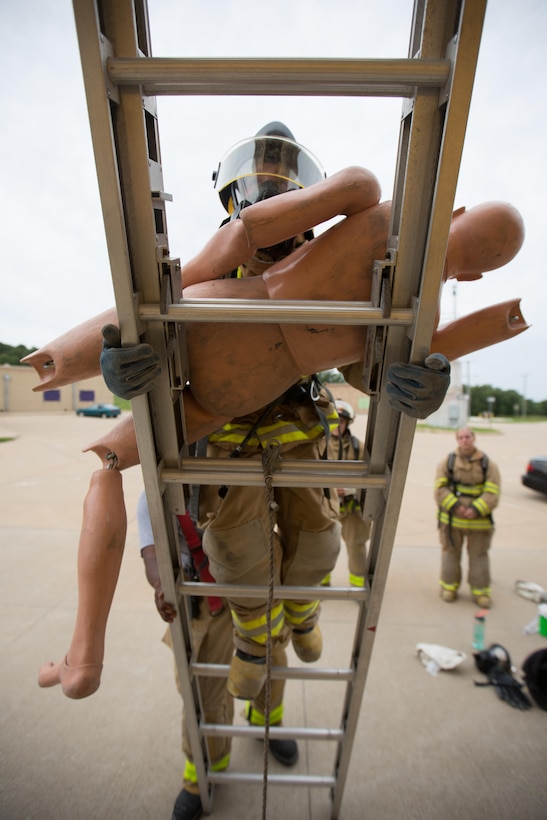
(76, 681)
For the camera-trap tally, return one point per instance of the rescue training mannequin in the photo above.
(467, 490)
(272, 357)
(344, 446)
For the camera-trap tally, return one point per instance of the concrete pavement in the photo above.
(426, 747)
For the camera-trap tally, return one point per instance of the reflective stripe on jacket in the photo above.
(288, 423)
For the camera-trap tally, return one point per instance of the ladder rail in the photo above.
(429, 175)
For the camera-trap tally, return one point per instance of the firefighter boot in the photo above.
(187, 806)
(285, 750)
(449, 595)
(481, 596)
(247, 676)
(308, 643)
(484, 601)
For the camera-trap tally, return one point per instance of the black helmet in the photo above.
(270, 163)
(495, 656)
(276, 129)
(535, 675)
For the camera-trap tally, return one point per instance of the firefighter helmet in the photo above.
(495, 656)
(270, 163)
(345, 410)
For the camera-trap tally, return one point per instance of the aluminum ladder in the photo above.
(122, 81)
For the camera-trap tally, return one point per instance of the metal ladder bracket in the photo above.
(382, 279)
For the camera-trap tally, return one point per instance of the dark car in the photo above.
(535, 476)
(104, 411)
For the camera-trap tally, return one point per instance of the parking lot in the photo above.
(426, 747)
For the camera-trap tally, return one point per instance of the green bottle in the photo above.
(478, 630)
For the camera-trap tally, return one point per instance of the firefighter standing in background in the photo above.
(344, 446)
(467, 490)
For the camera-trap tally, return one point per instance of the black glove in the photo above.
(418, 390)
(127, 371)
(495, 663)
(507, 688)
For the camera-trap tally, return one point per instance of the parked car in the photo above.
(104, 411)
(535, 476)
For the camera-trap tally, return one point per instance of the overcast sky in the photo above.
(53, 258)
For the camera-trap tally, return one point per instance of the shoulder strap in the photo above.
(450, 469)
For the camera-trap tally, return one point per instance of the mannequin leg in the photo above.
(100, 554)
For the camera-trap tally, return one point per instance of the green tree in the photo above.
(332, 376)
(508, 403)
(13, 355)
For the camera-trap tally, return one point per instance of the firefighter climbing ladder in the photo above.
(122, 81)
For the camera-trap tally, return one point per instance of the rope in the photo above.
(269, 457)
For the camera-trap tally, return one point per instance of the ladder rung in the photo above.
(273, 779)
(220, 670)
(286, 77)
(290, 473)
(287, 593)
(254, 310)
(294, 733)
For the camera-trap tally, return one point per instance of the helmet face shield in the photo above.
(264, 166)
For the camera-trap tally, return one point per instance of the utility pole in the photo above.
(468, 368)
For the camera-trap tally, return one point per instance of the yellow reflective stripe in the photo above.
(276, 434)
(282, 430)
(441, 482)
(221, 764)
(472, 490)
(484, 591)
(465, 523)
(481, 506)
(491, 487)
(451, 587)
(450, 501)
(190, 773)
(257, 629)
(257, 718)
(357, 580)
(296, 613)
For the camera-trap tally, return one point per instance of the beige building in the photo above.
(18, 381)
(345, 392)
(17, 396)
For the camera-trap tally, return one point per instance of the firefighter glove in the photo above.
(495, 663)
(418, 390)
(127, 371)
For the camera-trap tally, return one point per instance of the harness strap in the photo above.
(199, 559)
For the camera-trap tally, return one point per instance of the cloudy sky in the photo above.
(53, 258)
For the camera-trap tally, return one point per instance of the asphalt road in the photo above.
(426, 747)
